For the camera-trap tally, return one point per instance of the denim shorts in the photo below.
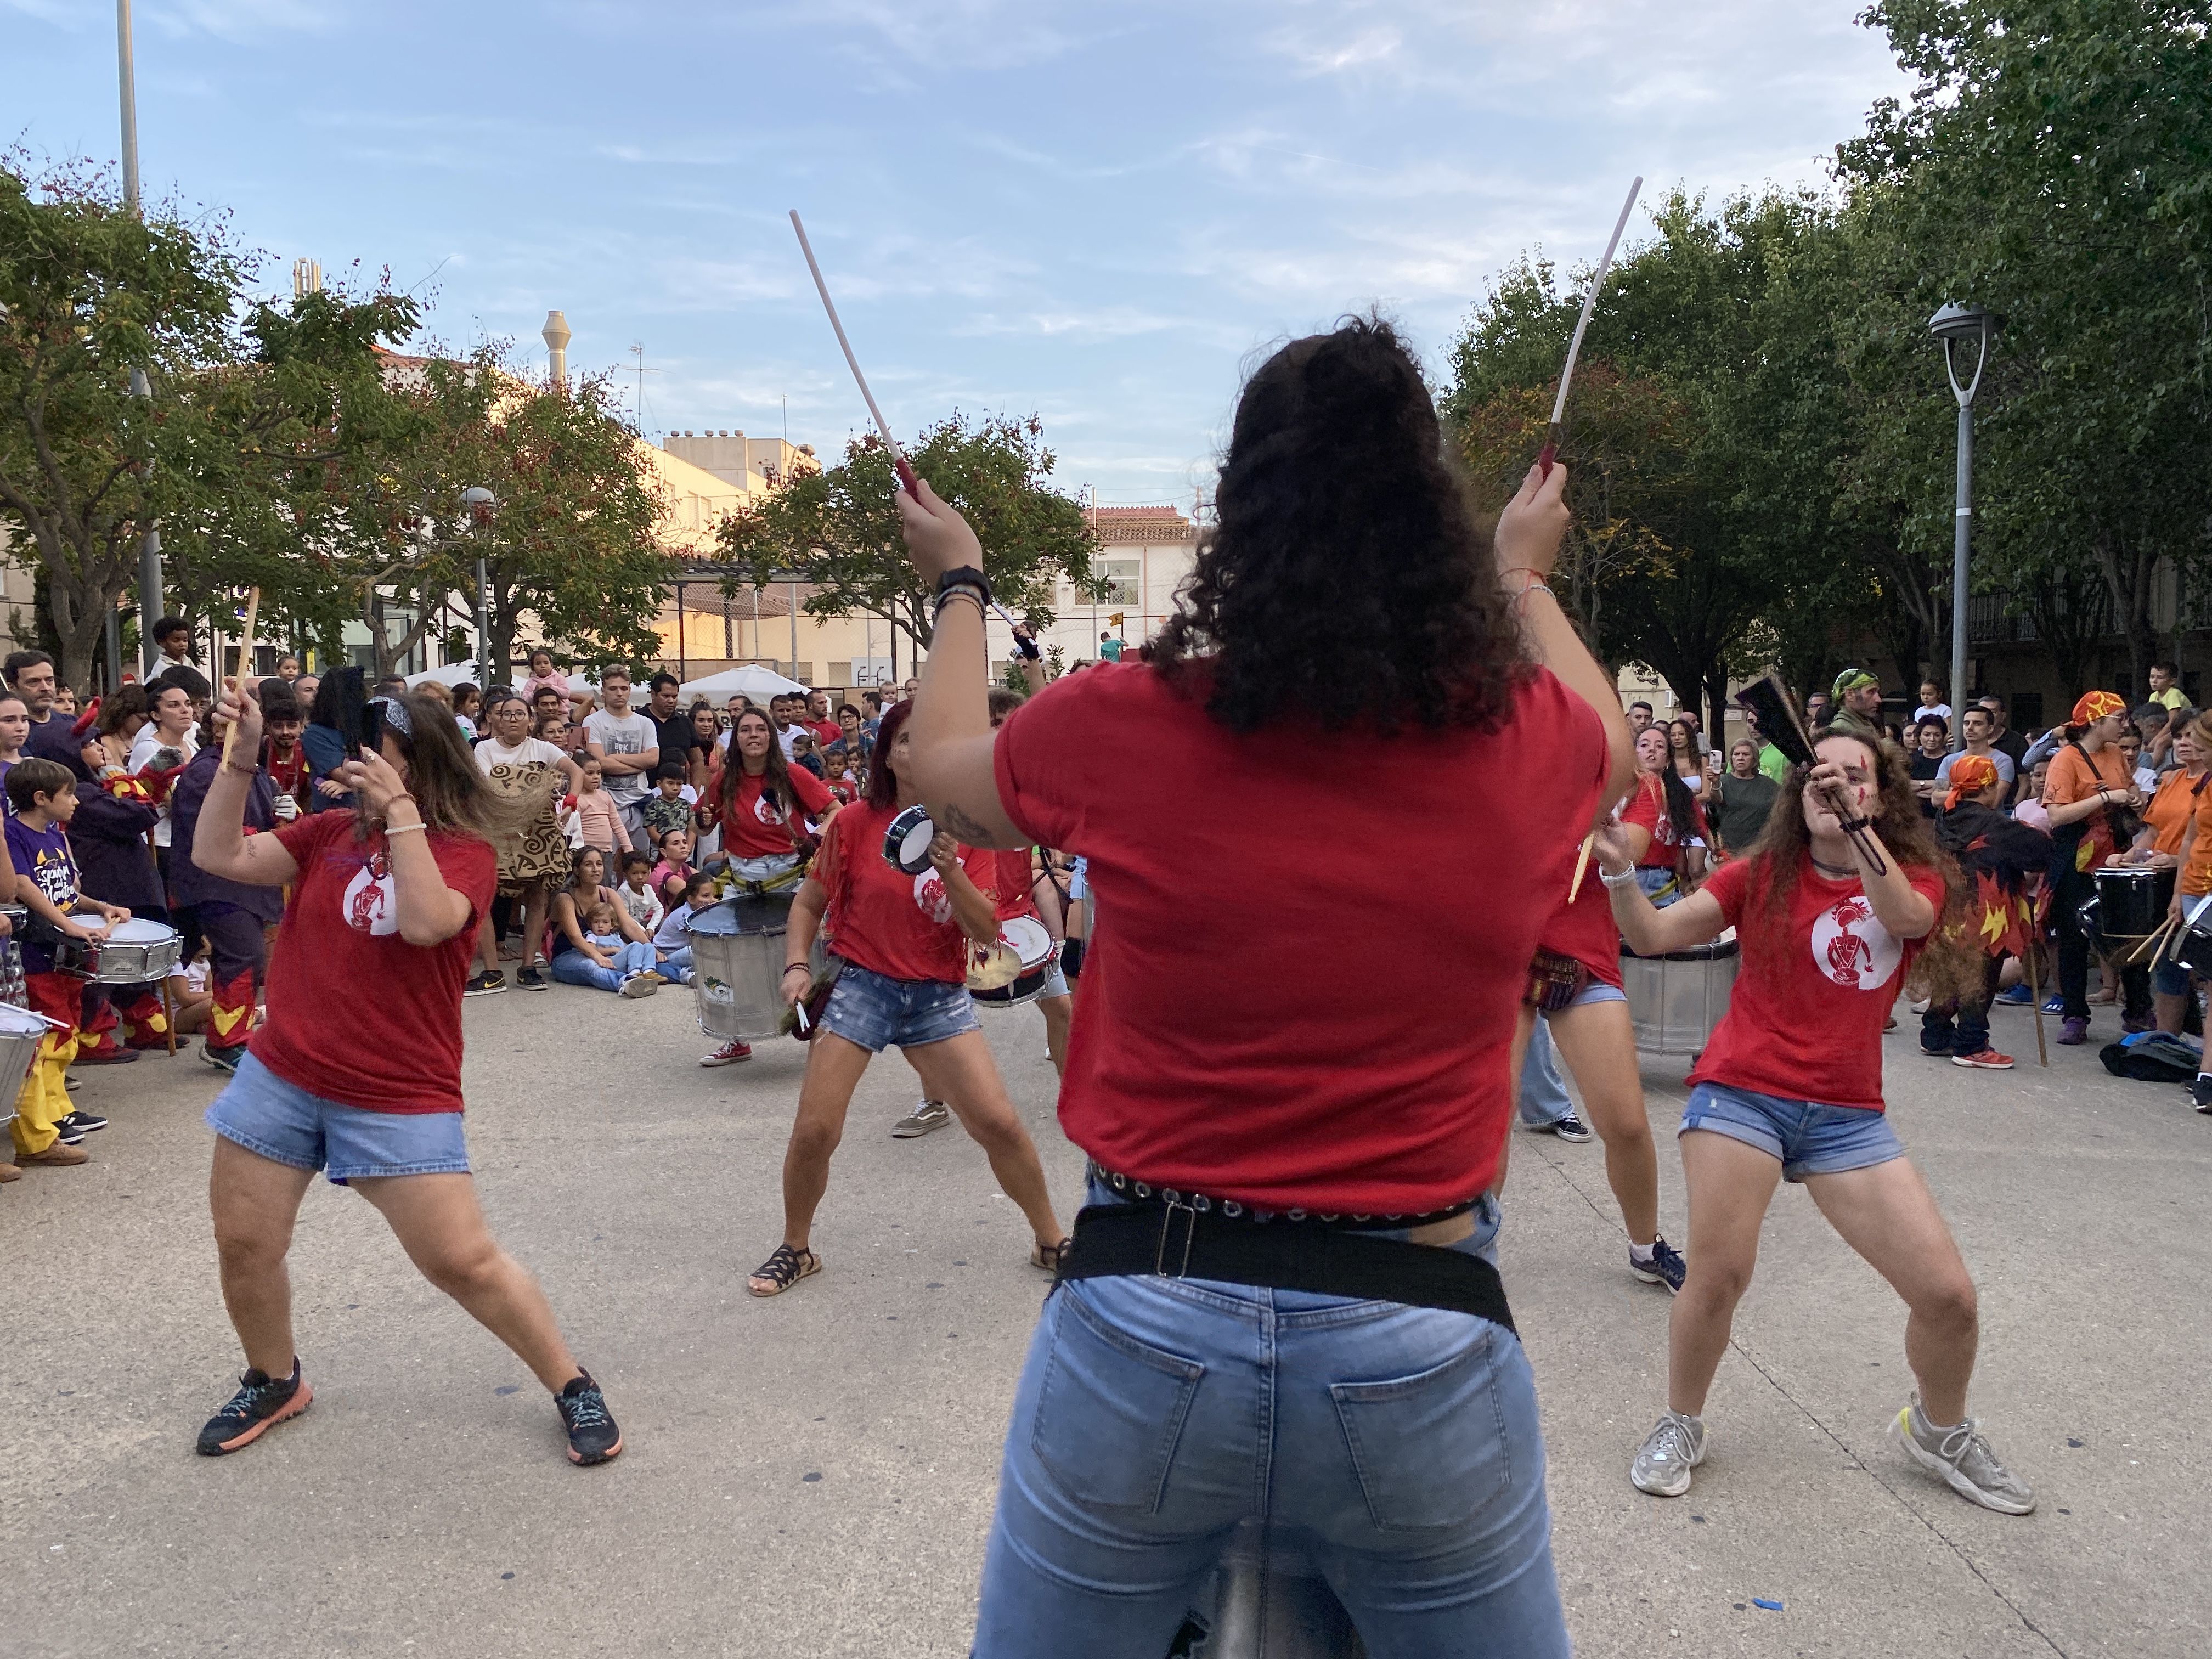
(1055, 983)
(279, 1121)
(1596, 991)
(874, 1011)
(1809, 1139)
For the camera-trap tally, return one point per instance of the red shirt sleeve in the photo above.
(1035, 759)
(1642, 810)
(304, 837)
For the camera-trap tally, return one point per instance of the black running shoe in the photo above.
(87, 1122)
(2200, 1094)
(592, 1436)
(261, 1402)
(1666, 1267)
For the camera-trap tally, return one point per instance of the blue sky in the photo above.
(1098, 213)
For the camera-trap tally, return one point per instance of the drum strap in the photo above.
(1175, 1241)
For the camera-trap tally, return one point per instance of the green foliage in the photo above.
(838, 530)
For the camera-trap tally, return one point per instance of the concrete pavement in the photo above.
(813, 1476)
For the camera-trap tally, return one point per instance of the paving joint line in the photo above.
(1557, 1166)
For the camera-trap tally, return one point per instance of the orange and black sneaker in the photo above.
(261, 1402)
(592, 1436)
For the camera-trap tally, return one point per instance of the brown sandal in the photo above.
(784, 1269)
(1047, 1256)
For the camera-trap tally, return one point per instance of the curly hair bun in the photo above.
(1346, 578)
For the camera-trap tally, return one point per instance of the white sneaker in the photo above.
(1962, 1460)
(1674, 1447)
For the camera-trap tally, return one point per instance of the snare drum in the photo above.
(1014, 968)
(2192, 946)
(2132, 901)
(135, 952)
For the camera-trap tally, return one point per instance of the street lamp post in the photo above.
(478, 502)
(149, 545)
(1952, 325)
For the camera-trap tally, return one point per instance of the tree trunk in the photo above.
(1717, 700)
(2127, 574)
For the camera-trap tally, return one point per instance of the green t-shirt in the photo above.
(1773, 763)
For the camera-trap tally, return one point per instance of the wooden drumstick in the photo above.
(244, 656)
(1581, 866)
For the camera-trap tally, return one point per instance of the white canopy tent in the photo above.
(747, 680)
(452, 674)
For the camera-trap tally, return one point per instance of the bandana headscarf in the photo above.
(2095, 705)
(1851, 679)
(1970, 776)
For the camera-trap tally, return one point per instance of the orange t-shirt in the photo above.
(2071, 780)
(2196, 874)
(2170, 810)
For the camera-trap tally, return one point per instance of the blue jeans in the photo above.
(575, 968)
(676, 965)
(1543, 1098)
(1398, 1446)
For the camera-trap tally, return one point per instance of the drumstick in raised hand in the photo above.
(1551, 450)
(1581, 866)
(244, 656)
(883, 426)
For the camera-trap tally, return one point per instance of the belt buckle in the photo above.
(1190, 1236)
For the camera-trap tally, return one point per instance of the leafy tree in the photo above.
(88, 293)
(2052, 165)
(838, 530)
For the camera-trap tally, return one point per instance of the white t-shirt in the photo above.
(2005, 773)
(787, 737)
(148, 744)
(492, 752)
(623, 734)
(1941, 711)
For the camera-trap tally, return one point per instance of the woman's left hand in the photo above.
(374, 780)
(937, 538)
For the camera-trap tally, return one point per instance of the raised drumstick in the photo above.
(1551, 450)
(244, 656)
(883, 426)
(1581, 866)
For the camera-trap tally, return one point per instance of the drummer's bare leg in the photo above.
(1598, 1042)
(1059, 1015)
(959, 1072)
(834, 1066)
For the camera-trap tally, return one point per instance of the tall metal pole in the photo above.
(149, 545)
(1962, 520)
(794, 630)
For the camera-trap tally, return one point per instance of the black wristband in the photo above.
(798, 968)
(966, 576)
(1852, 826)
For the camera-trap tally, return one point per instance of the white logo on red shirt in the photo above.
(372, 901)
(766, 809)
(1852, 948)
(931, 896)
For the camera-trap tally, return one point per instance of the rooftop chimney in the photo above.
(556, 337)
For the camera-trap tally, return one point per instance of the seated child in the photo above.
(673, 874)
(672, 941)
(636, 894)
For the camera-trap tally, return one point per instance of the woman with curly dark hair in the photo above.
(1846, 889)
(1292, 1068)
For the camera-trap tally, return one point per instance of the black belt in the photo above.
(1177, 1240)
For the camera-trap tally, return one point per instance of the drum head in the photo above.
(1027, 939)
(21, 1022)
(906, 843)
(140, 930)
(993, 968)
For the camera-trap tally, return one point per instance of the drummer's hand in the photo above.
(79, 927)
(240, 704)
(1534, 523)
(373, 780)
(2160, 861)
(944, 852)
(937, 538)
(112, 912)
(795, 985)
(1831, 784)
(1609, 846)
(329, 789)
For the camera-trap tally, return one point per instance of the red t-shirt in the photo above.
(1585, 930)
(1270, 1011)
(357, 1014)
(1647, 805)
(1804, 1021)
(883, 919)
(753, 826)
(1012, 887)
(825, 731)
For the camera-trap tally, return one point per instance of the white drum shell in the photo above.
(124, 961)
